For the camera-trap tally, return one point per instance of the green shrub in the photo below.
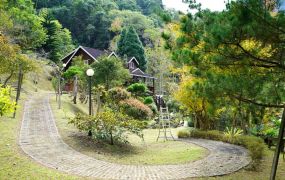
(138, 89)
(272, 132)
(255, 145)
(184, 133)
(6, 104)
(148, 100)
(212, 135)
(232, 133)
(190, 123)
(108, 125)
(153, 107)
(136, 109)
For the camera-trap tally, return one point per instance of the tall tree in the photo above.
(110, 72)
(131, 46)
(98, 33)
(92, 21)
(59, 41)
(27, 30)
(11, 59)
(121, 43)
(128, 5)
(232, 56)
(239, 54)
(150, 6)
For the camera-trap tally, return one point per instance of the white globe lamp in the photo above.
(90, 72)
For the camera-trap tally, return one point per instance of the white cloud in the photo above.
(214, 5)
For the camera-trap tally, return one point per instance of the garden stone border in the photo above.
(39, 138)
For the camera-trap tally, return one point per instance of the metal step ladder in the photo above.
(164, 125)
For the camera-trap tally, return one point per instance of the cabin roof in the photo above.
(95, 53)
(134, 59)
(139, 73)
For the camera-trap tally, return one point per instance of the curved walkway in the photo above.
(39, 138)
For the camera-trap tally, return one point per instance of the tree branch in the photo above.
(260, 59)
(257, 103)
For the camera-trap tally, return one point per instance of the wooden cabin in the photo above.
(90, 55)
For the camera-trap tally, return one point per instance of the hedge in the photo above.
(255, 145)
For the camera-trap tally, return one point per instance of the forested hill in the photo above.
(98, 23)
(52, 28)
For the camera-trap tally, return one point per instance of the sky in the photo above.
(214, 5)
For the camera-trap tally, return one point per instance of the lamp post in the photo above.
(59, 85)
(90, 73)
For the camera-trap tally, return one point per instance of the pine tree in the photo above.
(59, 40)
(131, 46)
(121, 43)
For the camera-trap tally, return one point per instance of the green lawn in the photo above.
(147, 152)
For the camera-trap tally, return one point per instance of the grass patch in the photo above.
(136, 152)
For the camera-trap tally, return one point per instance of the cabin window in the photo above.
(132, 65)
(86, 62)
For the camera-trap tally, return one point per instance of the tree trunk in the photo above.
(98, 102)
(75, 90)
(278, 148)
(8, 78)
(56, 98)
(59, 92)
(19, 86)
(112, 141)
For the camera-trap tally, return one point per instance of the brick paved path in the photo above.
(39, 138)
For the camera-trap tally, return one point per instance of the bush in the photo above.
(232, 133)
(183, 133)
(153, 107)
(119, 94)
(152, 124)
(148, 100)
(271, 132)
(138, 89)
(108, 125)
(6, 104)
(255, 145)
(212, 135)
(136, 109)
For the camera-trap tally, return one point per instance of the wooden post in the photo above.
(59, 91)
(278, 147)
(19, 86)
(153, 85)
(75, 89)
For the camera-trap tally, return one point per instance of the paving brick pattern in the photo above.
(39, 138)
